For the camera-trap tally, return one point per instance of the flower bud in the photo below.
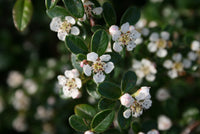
(88, 132)
(113, 29)
(164, 123)
(126, 100)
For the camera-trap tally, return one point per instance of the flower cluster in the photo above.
(137, 102)
(125, 36)
(98, 66)
(71, 83)
(195, 47)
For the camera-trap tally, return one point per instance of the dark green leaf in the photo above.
(81, 57)
(75, 44)
(106, 104)
(85, 111)
(102, 120)
(109, 14)
(131, 15)
(128, 81)
(100, 42)
(136, 127)
(57, 11)
(96, 27)
(75, 63)
(75, 7)
(109, 90)
(77, 123)
(112, 131)
(123, 122)
(91, 89)
(22, 13)
(115, 57)
(50, 3)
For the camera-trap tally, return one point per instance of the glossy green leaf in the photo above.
(77, 123)
(81, 57)
(123, 122)
(102, 120)
(96, 27)
(100, 42)
(85, 111)
(91, 89)
(131, 15)
(75, 44)
(109, 90)
(50, 3)
(75, 7)
(106, 104)
(75, 63)
(57, 11)
(115, 57)
(22, 13)
(109, 14)
(128, 81)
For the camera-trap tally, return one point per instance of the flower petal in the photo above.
(114, 29)
(117, 47)
(55, 24)
(75, 30)
(78, 82)
(152, 47)
(154, 36)
(125, 27)
(62, 34)
(108, 67)
(130, 46)
(70, 19)
(150, 77)
(195, 46)
(99, 77)
(187, 63)
(97, 10)
(127, 113)
(177, 57)
(92, 56)
(87, 70)
(161, 53)
(165, 35)
(105, 57)
(168, 64)
(61, 80)
(172, 74)
(75, 94)
(192, 56)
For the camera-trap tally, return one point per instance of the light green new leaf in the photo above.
(22, 13)
(75, 7)
(85, 111)
(77, 123)
(102, 120)
(57, 11)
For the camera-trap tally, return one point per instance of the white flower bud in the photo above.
(88, 132)
(113, 29)
(126, 100)
(164, 123)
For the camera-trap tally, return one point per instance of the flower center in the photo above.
(125, 38)
(178, 66)
(145, 70)
(161, 43)
(66, 26)
(98, 66)
(136, 108)
(71, 83)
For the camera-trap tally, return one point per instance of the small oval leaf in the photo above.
(109, 90)
(91, 89)
(109, 14)
(22, 13)
(102, 120)
(106, 104)
(123, 122)
(75, 7)
(50, 3)
(75, 44)
(99, 42)
(75, 63)
(131, 15)
(128, 81)
(57, 11)
(77, 123)
(85, 111)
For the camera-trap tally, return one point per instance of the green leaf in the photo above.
(81, 57)
(128, 81)
(22, 13)
(99, 42)
(57, 11)
(109, 14)
(85, 111)
(75, 63)
(75, 7)
(96, 27)
(115, 57)
(102, 120)
(112, 131)
(77, 123)
(75, 44)
(136, 127)
(50, 3)
(123, 122)
(91, 89)
(109, 90)
(106, 104)
(131, 15)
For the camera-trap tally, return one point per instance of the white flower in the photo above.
(88, 132)
(158, 43)
(30, 86)
(195, 46)
(164, 123)
(187, 63)
(192, 56)
(64, 27)
(144, 69)
(153, 131)
(143, 93)
(162, 94)
(43, 113)
(71, 83)
(19, 123)
(124, 37)
(15, 79)
(126, 100)
(98, 67)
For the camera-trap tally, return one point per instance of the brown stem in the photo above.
(191, 127)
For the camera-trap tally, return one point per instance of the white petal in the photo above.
(88, 3)
(117, 47)
(55, 24)
(105, 57)
(161, 53)
(66, 91)
(146, 62)
(131, 28)
(75, 30)
(147, 104)
(139, 73)
(127, 113)
(116, 36)
(135, 34)
(172, 74)
(92, 56)
(192, 56)
(87, 70)
(138, 41)
(136, 64)
(78, 82)
(108, 67)
(154, 36)
(97, 10)
(165, 35)
(164, 123)
(195, 46)
(72, 73)
(126, 100)
(75, 94)
(152, 47)
(125, 27)
(187, 63)
(99, 77)
(130, 46)
(145, 31)
(152, 69)
(62, 34)
(162, 94)
(70, 20)
(177, 57)
(114, 29)
(168, 64)
(61, 80)
(150, 77)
